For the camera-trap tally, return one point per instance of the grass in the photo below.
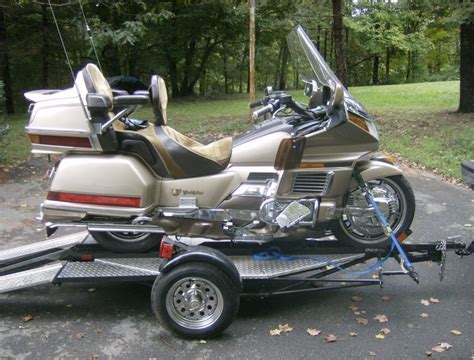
(416, 121)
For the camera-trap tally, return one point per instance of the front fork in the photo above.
(404, 262)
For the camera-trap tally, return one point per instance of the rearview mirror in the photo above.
(268, 90)
(310, 88)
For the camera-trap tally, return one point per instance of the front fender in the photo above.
(206, 255)
(373, 169)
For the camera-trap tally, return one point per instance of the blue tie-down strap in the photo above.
(274, 253)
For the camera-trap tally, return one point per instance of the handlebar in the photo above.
(255, 103)
(266, 109)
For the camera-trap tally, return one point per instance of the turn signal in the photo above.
(359, 121)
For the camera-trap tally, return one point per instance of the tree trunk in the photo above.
(339, 44)
(242, 68)
(325, 51)
(408, 67)
(226, 73)
(252, 49)
(5, 65)
(45, 50)
(284, 67)
(387, 66)
(375, 72)
(466, 104)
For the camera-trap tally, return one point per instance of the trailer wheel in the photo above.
(195, 300)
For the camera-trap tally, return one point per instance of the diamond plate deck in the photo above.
(111, 268)
(36, 248)
(28, 278)
(250, 268)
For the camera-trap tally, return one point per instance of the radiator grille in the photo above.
(314, 183)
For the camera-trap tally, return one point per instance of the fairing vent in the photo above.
(313, 183)
(255, 176)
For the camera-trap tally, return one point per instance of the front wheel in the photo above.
(195, 300)
(358, 226)
(126, 242)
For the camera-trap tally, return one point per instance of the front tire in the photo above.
(126, 242)
(195, 300)
(359, 228)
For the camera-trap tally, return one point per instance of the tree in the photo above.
(339, 43)
(5, 61)
(466, 102)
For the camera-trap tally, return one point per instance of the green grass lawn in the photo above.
(416, 121)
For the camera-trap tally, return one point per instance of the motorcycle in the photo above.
(290, 177)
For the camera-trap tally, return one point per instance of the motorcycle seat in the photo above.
(182, 157)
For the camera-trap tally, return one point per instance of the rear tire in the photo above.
(126, 242)
(399, 190)
(195, 300)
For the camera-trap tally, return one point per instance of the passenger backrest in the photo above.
(159, 99)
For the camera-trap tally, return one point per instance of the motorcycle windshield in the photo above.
(311, 66)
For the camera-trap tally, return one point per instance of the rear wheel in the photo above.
(358, 225)
(126, 242)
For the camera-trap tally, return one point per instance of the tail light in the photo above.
(122, 201)
(78, 142)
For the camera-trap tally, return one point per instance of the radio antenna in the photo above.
(89, 33)
(67, 59)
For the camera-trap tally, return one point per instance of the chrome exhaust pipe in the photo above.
(110, 227)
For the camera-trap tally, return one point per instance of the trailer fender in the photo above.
(205, 255)
(374, 169)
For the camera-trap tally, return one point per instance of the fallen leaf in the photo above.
(285, 328)
(275, 332)
(428, 353)
(455, 332)
(353, 333)
(445, 345)
(356, 298)
(80, 335)
(424, 315)
(330, 338)
(362, 321)
(385, 331)
(442, 347)
(425, 302)
(371, 353)
(380, 336)
(438, 349)
(385, 298)
(354, 308)
(381, 318)
(313, 332)
(434, 300)
(27, 317)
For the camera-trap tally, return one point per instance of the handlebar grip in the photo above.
(262, 111)
(255, 103)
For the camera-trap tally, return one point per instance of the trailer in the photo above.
(196, 289)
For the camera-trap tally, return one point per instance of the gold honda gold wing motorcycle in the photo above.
(290, 177)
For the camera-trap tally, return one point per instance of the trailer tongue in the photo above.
(196, 288)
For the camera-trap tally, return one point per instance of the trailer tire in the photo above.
(122, 242)
(195, 300)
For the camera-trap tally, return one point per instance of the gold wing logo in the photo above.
(176, 192)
